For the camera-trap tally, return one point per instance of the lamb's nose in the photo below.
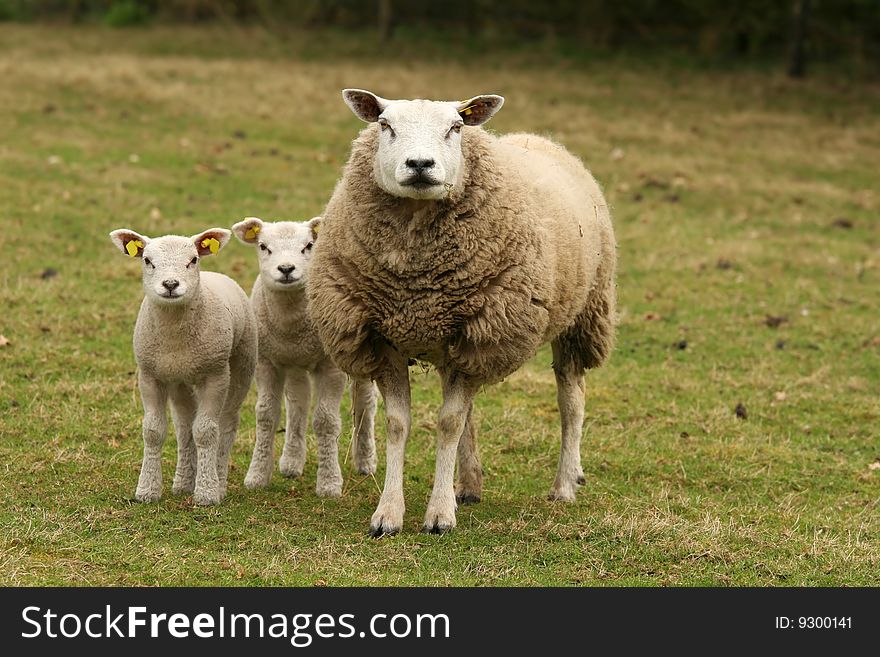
(286, 269)
(171, 284)
(419, 165)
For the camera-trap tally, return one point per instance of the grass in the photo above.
(737, 196)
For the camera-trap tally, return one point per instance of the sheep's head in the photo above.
(170, 264)
(284, 249)
(419, 152)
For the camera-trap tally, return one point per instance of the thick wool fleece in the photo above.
(521, 253)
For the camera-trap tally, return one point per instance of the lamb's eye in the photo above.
(147, 261)
(308, 247)
(263, 247)
(193, 261)
(456, 128)
(384, 125)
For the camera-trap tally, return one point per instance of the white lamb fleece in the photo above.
(195, 342)
(290, 354)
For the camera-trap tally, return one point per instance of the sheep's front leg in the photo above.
(297, 394)
(469, 486)
(270, 385)
(570, 396)
(329, 388)
(458, 397)
(154, 396)
(183, 410)
(363, 445)
(393, 383)
(210, 399)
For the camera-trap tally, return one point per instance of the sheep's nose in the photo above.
(286, 269)
(419, 165)
(170, 284)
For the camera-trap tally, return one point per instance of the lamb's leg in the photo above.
(570, 396)
(241, 370)
(154, 396)
(469, 487)
(270, 384)
(329, 388)
(183, 410)
(458, 397)
(297, 393)
(393, 382)
(210, 398)
(363, 445)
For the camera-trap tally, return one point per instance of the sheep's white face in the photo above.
(284, 249)
(170, 264)
(419, 152)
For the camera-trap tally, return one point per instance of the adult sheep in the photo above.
(446, 244)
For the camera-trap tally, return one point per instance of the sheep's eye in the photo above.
(308, 247)
(193, 261)
(384, 125)
(263, 247)
(147, 261)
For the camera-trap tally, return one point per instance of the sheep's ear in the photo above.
(315, 224)
(479, 109)
(248, 230)
(211, 241)
(365, 105)
(129, 242)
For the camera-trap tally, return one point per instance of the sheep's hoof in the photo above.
(256, 481)
(561, 494)
(366, 468)
(437, 529)
(379, 532)
(440, 517)
(581, 480)
(467, 498)
(183, 488)
(290, 471)
(387, 520)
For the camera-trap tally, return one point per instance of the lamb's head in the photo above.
(419, 152)
(285, 249)
(170, 264)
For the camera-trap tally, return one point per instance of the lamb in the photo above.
(289, 354)
(195, 342)
(445, 244)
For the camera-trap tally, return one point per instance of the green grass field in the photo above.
(746, 214)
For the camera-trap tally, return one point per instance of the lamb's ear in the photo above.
(248, 230)
(365, 105)
(130, 242)
(479, 109)
(211, 241)
(315, 224)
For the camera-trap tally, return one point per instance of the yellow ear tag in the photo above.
(132, 247)
(468, 111)
(212, 244)
(316, 228)
(251, 233)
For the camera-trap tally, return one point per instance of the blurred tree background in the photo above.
(792, 33)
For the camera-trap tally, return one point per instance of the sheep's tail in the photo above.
(588, 342)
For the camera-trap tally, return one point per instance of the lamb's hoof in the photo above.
(255, 480)
(183, 488)
(289, 469)
(366, 468)
(148, 496)
(561, 493)
(331, 489)
(581, 480)
(202, 498)
(467, 498)
(437, 529)
(380, 531)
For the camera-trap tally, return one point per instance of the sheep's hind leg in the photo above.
(329, 388)
(297, 394)
(211, 398)
(469, 486)
(458, 396)
(570, 396)
(155, 428)
(363, 446)
(393, 383)
(270, 385)
(183, 410)
(238, 389)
